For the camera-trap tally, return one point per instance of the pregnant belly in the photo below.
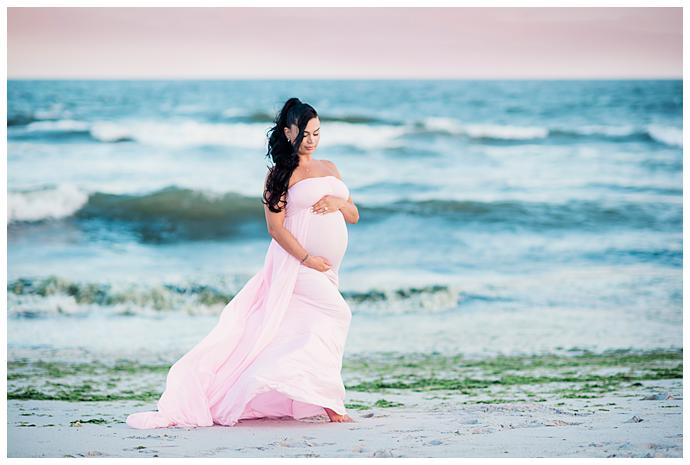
(327, 237)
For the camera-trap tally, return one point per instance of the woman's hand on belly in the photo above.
(318, 263)
(327, 204)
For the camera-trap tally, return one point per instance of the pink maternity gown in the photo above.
(277, 347)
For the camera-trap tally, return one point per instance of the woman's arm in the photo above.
(288, 242)
(348, 208)
(350, 211)
(274, 224)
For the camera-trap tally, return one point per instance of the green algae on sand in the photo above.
(494, 379)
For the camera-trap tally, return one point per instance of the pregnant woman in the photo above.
(277, 347)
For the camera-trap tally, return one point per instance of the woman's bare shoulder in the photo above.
(332, 168)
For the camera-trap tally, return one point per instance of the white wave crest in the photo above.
(496, 131)
(65, 125)
(598, 129)
(53, 202)
(666, 134)
(491, 131)
(252, 136)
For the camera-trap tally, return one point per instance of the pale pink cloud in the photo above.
(308, 42)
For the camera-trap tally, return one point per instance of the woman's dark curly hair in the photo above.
(282, 152)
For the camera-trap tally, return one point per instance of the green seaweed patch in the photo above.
(600, 383)
(493, 401)
(503, 400)
(435, 371)
(79, 394)
(357, 406)
(422, 384)
(54, 369)
(386, 403)
(575, 394)
(669, 373)
(98, 421)
(388, 361)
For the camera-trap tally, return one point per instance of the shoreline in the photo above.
(620, 403)
(422, 428)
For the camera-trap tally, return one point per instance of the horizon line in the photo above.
(294, 78)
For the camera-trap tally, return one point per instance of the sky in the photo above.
(344, 43)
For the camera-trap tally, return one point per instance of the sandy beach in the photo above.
(619, 404)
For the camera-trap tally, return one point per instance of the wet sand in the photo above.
(621, 404)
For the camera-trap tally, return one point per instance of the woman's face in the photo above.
(311, 136)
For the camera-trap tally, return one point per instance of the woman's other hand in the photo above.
(317, 262)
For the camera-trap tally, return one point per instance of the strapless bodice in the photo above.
(305, 193)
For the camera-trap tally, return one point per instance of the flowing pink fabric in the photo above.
(278, 345)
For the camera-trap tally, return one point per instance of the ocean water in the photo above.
(495, 216)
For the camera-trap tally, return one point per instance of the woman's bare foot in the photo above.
(336, 417)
